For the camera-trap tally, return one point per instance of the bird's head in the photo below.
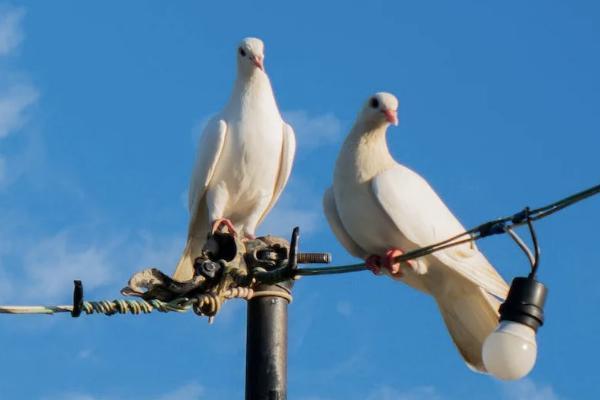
(251, 55)
(380, 109)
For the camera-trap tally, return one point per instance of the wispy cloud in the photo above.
(41, 268)
(355, 363)
(344, 308)
(80, 396)
(190, 391)
(314, 398)
(314, 130)
(14, 103)
(288, 213)
(526, 389)
(389, 393)
(2, 169)
(74, 396)
(299, 205)
(17, 95)
(85, 354)
(11, 33)
(51, 265)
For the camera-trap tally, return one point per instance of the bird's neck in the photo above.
(365, 153)
(252, 89)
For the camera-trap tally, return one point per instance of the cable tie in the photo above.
(521, 216)
(77, 299)
(491, 228)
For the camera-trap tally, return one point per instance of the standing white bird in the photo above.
(378, 209)
(244, 159)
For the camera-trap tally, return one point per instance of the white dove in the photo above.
(378, 209)
(244, 159)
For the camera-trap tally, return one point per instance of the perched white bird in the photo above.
(244, 159)
(378, 209)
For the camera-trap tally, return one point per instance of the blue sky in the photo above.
(100, 107)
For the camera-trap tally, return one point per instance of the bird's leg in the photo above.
(373, 264)
(263, 200)
(218, 224)
(390, 263)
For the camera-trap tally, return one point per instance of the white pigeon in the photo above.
(244, 159)
(379, 209)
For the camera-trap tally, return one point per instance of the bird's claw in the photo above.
(390, 263)
(373, 264)
(219, 223)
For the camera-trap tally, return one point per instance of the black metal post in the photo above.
(266, 345)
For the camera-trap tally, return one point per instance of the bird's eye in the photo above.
(242, 52)
(374, 102)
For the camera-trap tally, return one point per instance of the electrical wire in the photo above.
(493, 227)
(207, 304)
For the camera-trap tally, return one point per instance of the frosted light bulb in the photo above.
(510, 351)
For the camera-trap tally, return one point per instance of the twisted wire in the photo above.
(207, 304)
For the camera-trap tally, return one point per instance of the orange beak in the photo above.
(258, 61)
(391, 116)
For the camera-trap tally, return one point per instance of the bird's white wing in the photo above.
(337, 226)
(423, 218)
(286, 160)
(207, 158)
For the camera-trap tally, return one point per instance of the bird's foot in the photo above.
(219, 223)
(390, 263)
(373, 264)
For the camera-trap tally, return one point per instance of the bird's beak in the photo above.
(258, 61)
(391, 116)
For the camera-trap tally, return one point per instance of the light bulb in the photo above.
(510, 351)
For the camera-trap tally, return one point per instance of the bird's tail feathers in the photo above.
(470, 314)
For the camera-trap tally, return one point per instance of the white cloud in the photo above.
(287, 214)
(16, 94)
(354, 364)
(344, 308)
(74, 396)
(190, 391)
(2, 170)
(299, 205)
(526, 389)
(80, 396)
(41, 269)
(11, 33)
(314, 130)
(315, 398)
(389, 393)
(14, 103)
(145, 250)
(51, 265)
(85, 354)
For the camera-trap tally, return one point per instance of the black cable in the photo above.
(493, 227)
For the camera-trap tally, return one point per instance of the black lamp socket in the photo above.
(525, 303)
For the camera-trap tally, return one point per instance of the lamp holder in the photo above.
(525, 303)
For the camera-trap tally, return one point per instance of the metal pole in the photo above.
(266, 345)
